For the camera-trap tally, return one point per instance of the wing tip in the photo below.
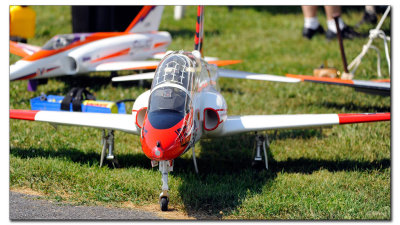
(363, 117)
(23, 114)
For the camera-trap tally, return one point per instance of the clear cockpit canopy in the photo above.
(63, 40)
(171, 90)
(177, 68)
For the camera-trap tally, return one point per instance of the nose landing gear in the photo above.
(165, 167)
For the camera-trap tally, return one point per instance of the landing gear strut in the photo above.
(107, 141)
(165, 167)
(261, 142)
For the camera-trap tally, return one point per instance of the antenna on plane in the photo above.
(198, 38)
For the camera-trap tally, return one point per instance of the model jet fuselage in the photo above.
(184, 104)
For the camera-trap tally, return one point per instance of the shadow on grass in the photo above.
(94, 82)
(226, 175)
(232, 90)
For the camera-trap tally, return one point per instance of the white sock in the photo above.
(332, 26)
(311, 22)
(370, 9)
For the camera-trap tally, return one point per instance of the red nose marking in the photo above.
(164, 144)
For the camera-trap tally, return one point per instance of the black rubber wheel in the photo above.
(164, 204)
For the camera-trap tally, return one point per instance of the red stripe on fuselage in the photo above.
(27, 77)
(156, 45)
(34, 74)
(363, 117)
(23, 114)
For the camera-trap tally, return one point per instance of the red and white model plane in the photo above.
(183, 106)
(71, 54)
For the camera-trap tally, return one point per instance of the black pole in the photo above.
(339, 36)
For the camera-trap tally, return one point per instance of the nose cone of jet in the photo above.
(162, 144)
(22, 70)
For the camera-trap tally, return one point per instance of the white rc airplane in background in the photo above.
(72, 54)
(183, 106)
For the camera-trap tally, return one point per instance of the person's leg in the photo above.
(331, 12)
(370, 15)
(310, 16)
(345, 31)
(311, 23)
(309, 10)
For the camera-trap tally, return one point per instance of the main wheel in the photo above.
(164, 203)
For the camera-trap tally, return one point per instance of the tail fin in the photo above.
(147, 20)
(198, 38)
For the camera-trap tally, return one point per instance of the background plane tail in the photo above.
(147, 20)
(198, 38)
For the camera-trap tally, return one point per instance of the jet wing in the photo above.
(126, 65)
(255, 76)
(22, 49)
(241, 124)
(371, 87)
(122, 122)
(142, 76)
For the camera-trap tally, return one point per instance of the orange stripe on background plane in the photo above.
(142, 14)
(116, 54)
(224, 62)
(324, 79)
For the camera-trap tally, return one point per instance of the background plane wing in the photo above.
(142, 76)
(255, 76)
(122, 122)
(22, 49)
(372, 87)
(126, 65)
(241, 124)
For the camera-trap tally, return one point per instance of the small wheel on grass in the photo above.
(164, 204)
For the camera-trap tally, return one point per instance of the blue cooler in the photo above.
(53, 103)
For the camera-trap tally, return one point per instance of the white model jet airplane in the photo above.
(182, 107)
(72, 54)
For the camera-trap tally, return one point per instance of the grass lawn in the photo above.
(343, 172)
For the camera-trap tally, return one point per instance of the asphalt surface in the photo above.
(30, 207)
